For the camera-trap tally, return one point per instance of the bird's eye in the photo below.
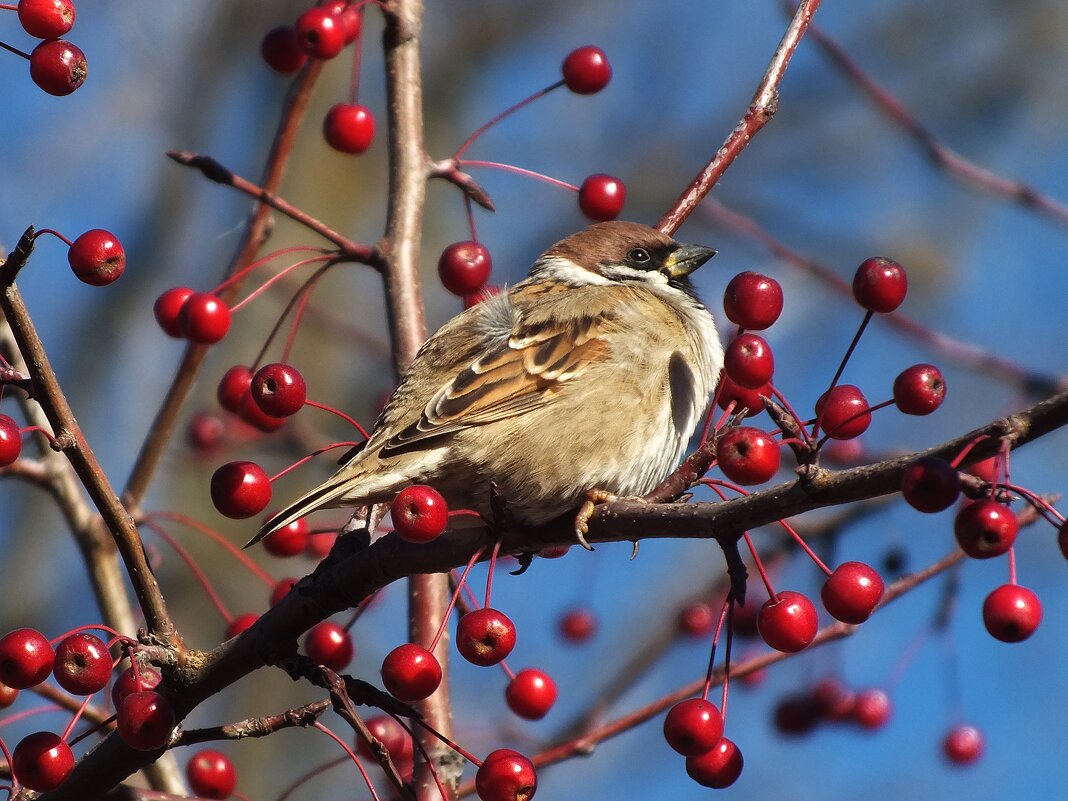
(638, 255)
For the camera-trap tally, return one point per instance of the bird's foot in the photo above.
(585, 512)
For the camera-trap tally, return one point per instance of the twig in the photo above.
(301, 716)
(761, 109)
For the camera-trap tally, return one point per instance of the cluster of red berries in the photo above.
(56, 65)
(829, 701)
(82, 665)
(694, 729)
(200, 317)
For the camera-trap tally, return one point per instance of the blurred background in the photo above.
(829, 177)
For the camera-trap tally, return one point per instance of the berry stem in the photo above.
(496, 165)
(42, 231)
(55, 443)
(959, 458)
(507, 670)
(198, 574)
(507, 112)
(452, 601)
(759, 565)
(329, 259)
(357, 57)
(469, 209)
(1040, 504)
(14, 50)
(75, 718)
(312, 455)
(341, 414)
(712, 651)
(454, 746)
(232, 549)
(842, 365)
(492, 566)
(805, 547)
(351, 755)
(1012, 565)
(781, 399)
(727, 657)
(117, 637)
(265, 260)
(299, 299)
(426, 757)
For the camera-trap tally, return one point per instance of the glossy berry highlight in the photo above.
(279, 389)
(46, 19)
(410, 672)
(10, 440)
(97, 257)
(506, 775)
(531, 694)
(42, 761)
(329, 644)
(586, 70)
(211, 774)
(349, 128)
(204, 318)
(485, 636)
(843, 412)
(880, 285)
(464, 267)
(168, 309)
(852, 592)
(320, 33)
(985, 529)
(26, 658)
(82, 664)
(692, 727)
(601, 197)
(930, 484)
(419, 514)
(788, 622)
(717, 768)
(145, 720)
(1011, 613)
(58, 67)
(753, 301)
(748, 455)
(240, 489)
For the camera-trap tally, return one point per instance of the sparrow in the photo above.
(585, 381)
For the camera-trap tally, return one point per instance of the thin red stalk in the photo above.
(304, 297)
(357, 57)
(507, 112)
(75, 718)
(907, 657)
(42, 231)
(198, 574)
(966, 450)
(43, 432)
(727, 658)
(351, 755)
(266, 260)
(278, 277)
(8, 7)
(15, 717)
(469, 209)
(1044, 507)
(300, 295)
(507, 670)
(454, 746)
(14, 50)
(318, 770)
(842, 365)
(804, 547)
(759, 565)
(492, 567)
(311, 456)
(341, 414)
(452, 602)
(92, 627)
(778, 396)
(426, 757)
(496, 165)
(232, 549)
(1012, 565)
(712, 650)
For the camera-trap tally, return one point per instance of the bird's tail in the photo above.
(322, 497)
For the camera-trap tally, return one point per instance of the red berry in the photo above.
(319, 544)
(391, 734)
(963, 745)
(205, 433)
(843, 412)
(747, 455)
(251, 414)
(211, 774)
(1011, 613)
(349, 14)
(82, 664)
(930, 484)
(42, 761)
(601, 197)
(743, 399)
(234, 387)
(146, 678)
(419, 514)
(289, 540)
(1062, 539)
(58, 67)
(279, 390)
(586, 70)
(531, 694)
(281, 589)
(578, 625)
(464, 267)
(920, 389)
(985, 528)
(852, 592)
(833, 699)
(717, 768)
(329, 644)
(753, 301)
(46, 19)
(410, 672)
(986, 469)
(485, 293)
(879, 285)
(10, 440)
(8, 695)
(240, 624)
(871, 709)
(145, 720)
(749, 361)
(788, 622)
(240, 489)
(797, 714)
(506, 775)
(168, 309)
(349, 128)
(281, 50)
(697, 619)
(320, 33)
(97, 257)
(693, 726)
(26, 658)
(204, 318)
(485, 637)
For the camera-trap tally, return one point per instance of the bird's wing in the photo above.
(518, 373)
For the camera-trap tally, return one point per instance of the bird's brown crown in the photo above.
(609, 243)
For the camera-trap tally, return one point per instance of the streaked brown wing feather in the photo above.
(516, 377)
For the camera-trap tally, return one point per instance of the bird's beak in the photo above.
(686, 259)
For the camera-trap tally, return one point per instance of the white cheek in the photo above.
(568, 272)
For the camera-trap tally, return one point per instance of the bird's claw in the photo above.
(585, 512)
